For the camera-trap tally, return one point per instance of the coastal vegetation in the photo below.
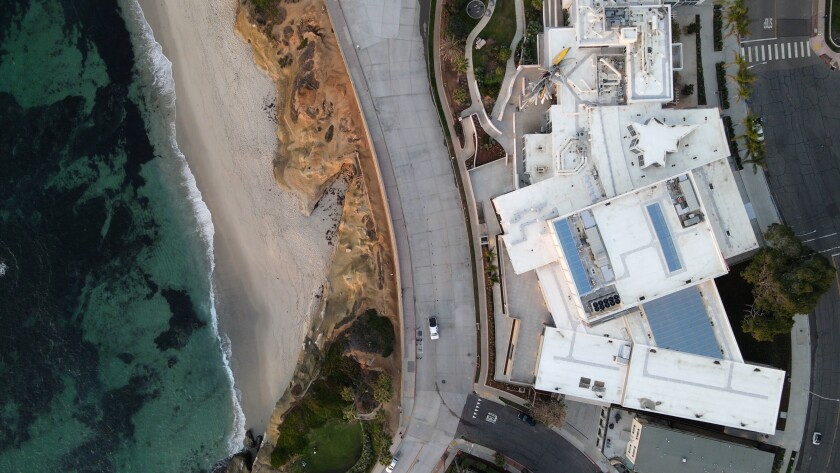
(788, 278)
(343, 406)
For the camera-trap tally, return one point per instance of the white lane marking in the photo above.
(795, 49)
(809, 51)
(749, 54)
(783, 51)
(777, 50)
(762, 53)
(789, 56)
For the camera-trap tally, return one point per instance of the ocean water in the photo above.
(110, 359)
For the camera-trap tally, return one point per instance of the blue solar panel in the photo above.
(679, 321)
(666, 242)
(567, 242)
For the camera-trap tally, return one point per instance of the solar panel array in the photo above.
(666, 242)
(679, 321)
(567, 241)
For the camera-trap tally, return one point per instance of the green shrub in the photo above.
(723, 88)
(701, 87)
(374, 333)
(383, 390)
(717, 23)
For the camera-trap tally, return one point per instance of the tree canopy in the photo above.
(550, 413)
(788, 278)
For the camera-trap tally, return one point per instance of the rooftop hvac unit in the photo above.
(541, 169)
(599, 387)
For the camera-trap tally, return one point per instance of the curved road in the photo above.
(538, 448)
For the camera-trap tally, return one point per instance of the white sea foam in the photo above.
(154, 61)
(3, 268)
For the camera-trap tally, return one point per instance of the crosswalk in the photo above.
(775, 51)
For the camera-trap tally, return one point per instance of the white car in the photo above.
(817, 438)
(759, 131)
(433, 328)
(392, 465)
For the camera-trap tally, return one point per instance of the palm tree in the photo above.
(745, 77)
(451, 48)
(755, 149)
(459, 64)
(737, 18)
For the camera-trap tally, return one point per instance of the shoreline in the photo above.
(271, 260)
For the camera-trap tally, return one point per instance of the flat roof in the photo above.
(669, 382)
(680, 321)
(619, 167)
(574, 363)
(524, 213)
(725, 208)
(699, 388)
(644, 264)
(664, 450)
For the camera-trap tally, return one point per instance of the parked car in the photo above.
(433, 328)
(392, 465)
(527, 419)
(817, 438)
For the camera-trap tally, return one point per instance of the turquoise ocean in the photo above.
(110, 358)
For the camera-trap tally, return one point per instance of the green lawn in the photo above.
(336, 446)
(502, 25)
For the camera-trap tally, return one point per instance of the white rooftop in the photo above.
(637, 254)
(721, 392)
(621, 169)
(568, 359)
(688, 386)
(717, 189)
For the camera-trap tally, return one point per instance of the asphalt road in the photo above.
(800, 108)
(538, 448)
(778, 18)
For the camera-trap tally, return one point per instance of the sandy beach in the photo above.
(271, 260)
